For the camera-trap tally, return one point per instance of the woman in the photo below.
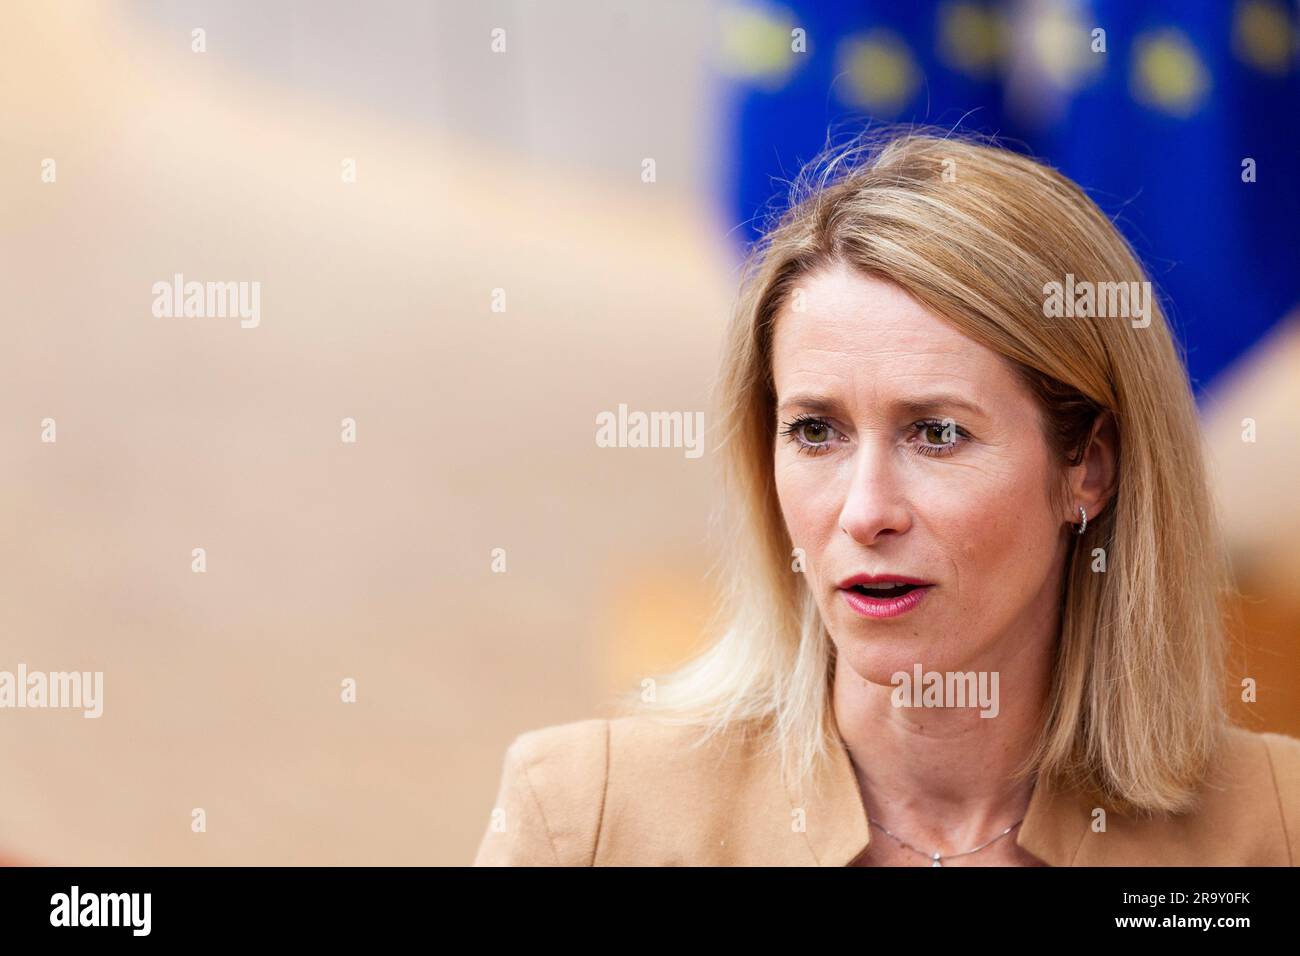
(975, 579)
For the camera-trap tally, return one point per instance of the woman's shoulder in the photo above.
(1283, 752)
(1284, 762)
(585, 747)
(588, 748)
(1247, 811)
(550, 797)
(566, 786)
(1270, 761)
(1273, 759)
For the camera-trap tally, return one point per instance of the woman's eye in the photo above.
(934, 434)
(934, 437)
(816, 433)
(939, 437)
(810, 434)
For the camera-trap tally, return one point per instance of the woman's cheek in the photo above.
(995, 534)
(793, 495)
(810, 511)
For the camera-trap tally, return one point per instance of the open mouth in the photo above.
(884, 592)
(883, 599)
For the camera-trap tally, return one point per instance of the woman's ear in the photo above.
(1092, 481)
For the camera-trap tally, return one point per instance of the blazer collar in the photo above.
(835, 821)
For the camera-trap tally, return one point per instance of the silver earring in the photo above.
(1083, 523)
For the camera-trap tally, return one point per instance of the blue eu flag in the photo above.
(1179, 119)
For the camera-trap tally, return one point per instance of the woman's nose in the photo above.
(875, 501)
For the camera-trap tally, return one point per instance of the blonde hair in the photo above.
(975, 232)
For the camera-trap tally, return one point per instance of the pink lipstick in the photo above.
(883, 595)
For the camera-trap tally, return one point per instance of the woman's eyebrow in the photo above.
(929, 404)
(818, 404)
(920, 405)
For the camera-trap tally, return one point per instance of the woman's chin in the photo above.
(876, 659)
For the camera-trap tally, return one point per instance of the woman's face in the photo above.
(907, 451)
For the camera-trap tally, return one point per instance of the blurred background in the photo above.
(476, 226)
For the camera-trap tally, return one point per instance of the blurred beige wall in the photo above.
(1253, 452)
(326, 561)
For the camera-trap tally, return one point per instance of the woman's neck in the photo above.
(943, 777)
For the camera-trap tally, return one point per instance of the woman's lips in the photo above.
(872, 606)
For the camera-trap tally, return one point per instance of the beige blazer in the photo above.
(633, 792)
